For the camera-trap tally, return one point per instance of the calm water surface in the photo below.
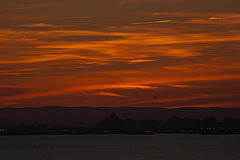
(120, 147)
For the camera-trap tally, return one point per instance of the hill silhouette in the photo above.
(90, 117)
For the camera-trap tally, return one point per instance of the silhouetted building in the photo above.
(111, 124)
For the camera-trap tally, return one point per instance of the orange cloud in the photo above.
(196, 97)
(141, 60)
(37, 25)
(154, 22)
(22, 6)
(148, 49)
(109, 94)
(84, 17)
(138, 1)
(224, 105)
(214, 18)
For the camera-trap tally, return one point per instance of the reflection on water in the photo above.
(120, 147)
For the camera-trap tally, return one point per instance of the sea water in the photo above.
(120, 147)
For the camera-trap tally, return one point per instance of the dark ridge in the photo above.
(90, 117)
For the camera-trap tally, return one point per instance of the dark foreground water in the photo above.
(120, 147)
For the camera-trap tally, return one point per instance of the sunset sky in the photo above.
(114, 53)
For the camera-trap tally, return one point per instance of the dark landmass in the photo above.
(90, 117)
(208, 125)
(86, 120)
(115, 125)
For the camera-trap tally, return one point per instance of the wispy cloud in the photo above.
(72, 90)
(200, 100)
(154, 22)
(24, 6)
(141, 60)
(37, 25)
(127, 49)
(109, 94)
(181, 53)
(214, 18)
(83, 17)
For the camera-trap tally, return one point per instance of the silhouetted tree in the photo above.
(173, 124)
(230, 123)
(209, 122)
(186, 124)
(196, 124)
